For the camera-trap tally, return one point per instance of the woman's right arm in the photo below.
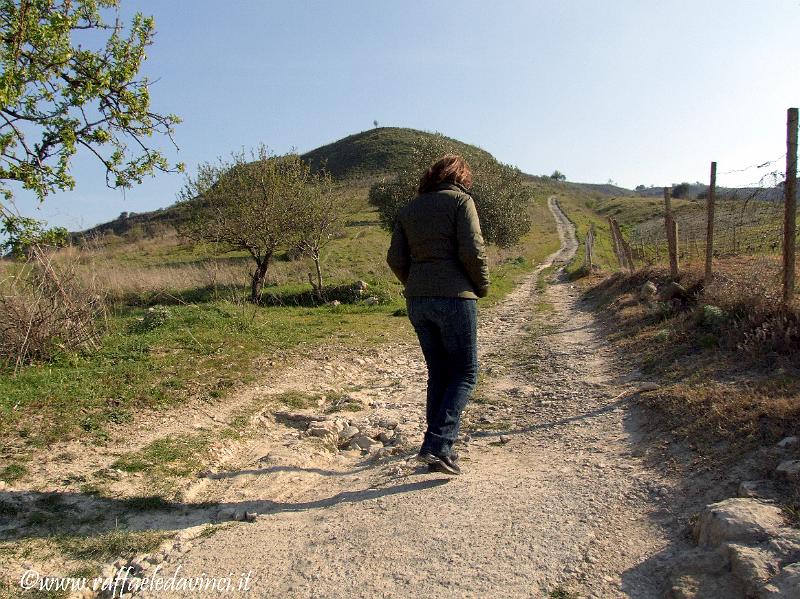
(471, 247)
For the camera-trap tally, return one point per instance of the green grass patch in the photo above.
(562, 593)
(175, 456)
(297, 399)
(113, 544)
(13, 472)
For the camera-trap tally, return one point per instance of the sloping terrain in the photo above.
(358, 156)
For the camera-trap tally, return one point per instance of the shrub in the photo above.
(155, 317)
(501, 197)
(47, 308)
(713, 316)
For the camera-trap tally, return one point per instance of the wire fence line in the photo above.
(748, 246)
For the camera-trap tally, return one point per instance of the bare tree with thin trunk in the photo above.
(322, 221)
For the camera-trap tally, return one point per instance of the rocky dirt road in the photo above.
(555, 498)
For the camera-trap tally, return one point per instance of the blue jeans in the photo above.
(447, 331)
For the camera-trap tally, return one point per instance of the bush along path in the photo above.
(311, 489)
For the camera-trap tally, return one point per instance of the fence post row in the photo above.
(589, 261)
(790, 208)
(614, 240)
(710, 201)
(622, 248)
(672, 233)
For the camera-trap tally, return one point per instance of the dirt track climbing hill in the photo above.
(555, 496)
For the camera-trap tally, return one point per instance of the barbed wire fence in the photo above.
(742, 237)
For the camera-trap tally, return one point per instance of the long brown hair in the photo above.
(451, 168)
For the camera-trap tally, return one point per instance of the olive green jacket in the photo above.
(437, 247)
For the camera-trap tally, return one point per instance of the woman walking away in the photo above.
(437, 252)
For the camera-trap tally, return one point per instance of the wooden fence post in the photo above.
(589, 262)
(615, 242)
(626, 247)
(790, 208)
(672, 233)
(710, 204)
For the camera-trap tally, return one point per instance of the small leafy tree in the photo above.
(501, 196)
(558, 176)
(58, 95)
(321, 221)
(254, 202)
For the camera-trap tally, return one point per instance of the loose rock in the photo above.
(747, 521)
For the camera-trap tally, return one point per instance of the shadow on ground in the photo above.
(30, 514)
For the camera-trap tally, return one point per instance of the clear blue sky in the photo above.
(641, 92)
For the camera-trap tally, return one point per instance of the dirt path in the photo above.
(555, 494)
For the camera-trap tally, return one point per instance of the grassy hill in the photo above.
(377, 151)
(359, 156)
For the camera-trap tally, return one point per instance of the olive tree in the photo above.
(501, 197)
(254, 202)
(70, 81)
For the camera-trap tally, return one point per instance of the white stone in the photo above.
(364, 442)
(737, 520)
(348, 432)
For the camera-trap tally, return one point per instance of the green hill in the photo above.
(361, 155)
(377, 151)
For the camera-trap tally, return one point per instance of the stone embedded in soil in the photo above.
(752, 566)
(789, 470)
(364, 442)
(348, 432)
(671, 291)
(786, 585)
(789, 442)
(648, 386)
(704, 586)
(756, 488)
(737, 520)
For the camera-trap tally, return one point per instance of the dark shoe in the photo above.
(432, 465)
(446, 465)
(426, 457)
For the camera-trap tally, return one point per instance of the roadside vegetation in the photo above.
(725, 354)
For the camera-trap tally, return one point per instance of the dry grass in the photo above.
(736, 379)
(47, 307)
